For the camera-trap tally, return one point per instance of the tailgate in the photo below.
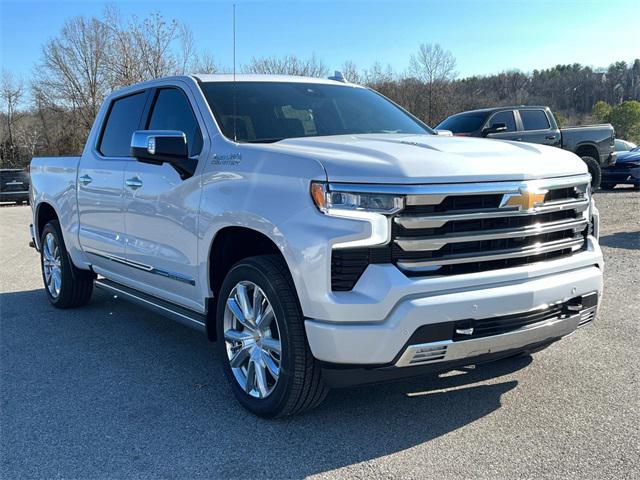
(14, 181)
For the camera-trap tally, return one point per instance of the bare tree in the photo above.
(205, 63)
(435, 67)
(377, 75)
(351, 73)
(153, 38)
(11, 93)
(125, 64)
(287, 65)
(74, 67)
(188, 57)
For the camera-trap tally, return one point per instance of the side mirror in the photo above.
(444, 133)
(494, 128)
(163, 146)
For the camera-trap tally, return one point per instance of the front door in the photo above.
(162, 211)
(507, 117)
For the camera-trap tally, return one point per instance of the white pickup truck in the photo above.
(324, 236)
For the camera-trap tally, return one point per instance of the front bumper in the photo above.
(539, 332)
(621, 174)
(384, 343)
(19, 196)
(608, 159)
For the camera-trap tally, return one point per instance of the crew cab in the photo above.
(321, 234)
(535, 124)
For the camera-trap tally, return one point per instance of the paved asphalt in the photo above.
(112, 391)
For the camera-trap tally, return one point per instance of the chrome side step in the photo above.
(175, 312)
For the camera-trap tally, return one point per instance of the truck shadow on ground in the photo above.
(111, 390)
(624, 240)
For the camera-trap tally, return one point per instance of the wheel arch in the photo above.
(44, 214)
(588, 150)
(230, 245)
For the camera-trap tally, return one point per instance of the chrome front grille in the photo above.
(453, 229)
(459, 230)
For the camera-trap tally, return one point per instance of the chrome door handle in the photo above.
(551, 137)
(85, 179)
(133, 183)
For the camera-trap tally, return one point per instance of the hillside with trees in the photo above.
(51, 112)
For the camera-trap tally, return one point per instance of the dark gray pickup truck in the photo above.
(535, 124)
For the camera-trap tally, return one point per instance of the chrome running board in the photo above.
(175, 312)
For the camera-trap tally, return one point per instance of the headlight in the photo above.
(339, 198)
(374, 208)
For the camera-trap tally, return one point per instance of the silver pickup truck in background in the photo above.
(321, 234)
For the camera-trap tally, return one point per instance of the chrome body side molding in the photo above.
(147, 268)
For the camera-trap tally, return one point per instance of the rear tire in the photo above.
(66, 286)
(297, 385)
(594, 170)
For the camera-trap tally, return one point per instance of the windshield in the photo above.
(463, 123)
(272, 111)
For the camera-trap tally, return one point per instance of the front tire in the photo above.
(594, 170)
(66, 285)
(262, 340)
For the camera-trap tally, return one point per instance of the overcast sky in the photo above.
(485, 36)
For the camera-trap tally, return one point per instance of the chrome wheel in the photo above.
(252, 339)
(52, 265)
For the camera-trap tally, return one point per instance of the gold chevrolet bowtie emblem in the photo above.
(525, 200)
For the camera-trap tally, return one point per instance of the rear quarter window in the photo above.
(534, 120)
(122, 120)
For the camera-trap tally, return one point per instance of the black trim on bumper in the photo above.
(339, 375)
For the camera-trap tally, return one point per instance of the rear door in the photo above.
(537, 128)
(162, 208)
(509, 119)
(101, 184)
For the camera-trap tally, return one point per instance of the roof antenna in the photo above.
(337, 76)
(235, 137)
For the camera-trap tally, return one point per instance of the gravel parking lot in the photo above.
(112, 391)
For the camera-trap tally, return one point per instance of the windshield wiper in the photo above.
(263, 140)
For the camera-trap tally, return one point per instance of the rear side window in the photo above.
(123, 119)
(505, 117)
(172, 111)
(534, 120)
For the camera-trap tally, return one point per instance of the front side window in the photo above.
(534, 120)
(505, 117)
(272, 111)
(122, 120)
(463, 122)
(172, 111)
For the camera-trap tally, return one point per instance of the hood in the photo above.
(630, 156)
(396, 158)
